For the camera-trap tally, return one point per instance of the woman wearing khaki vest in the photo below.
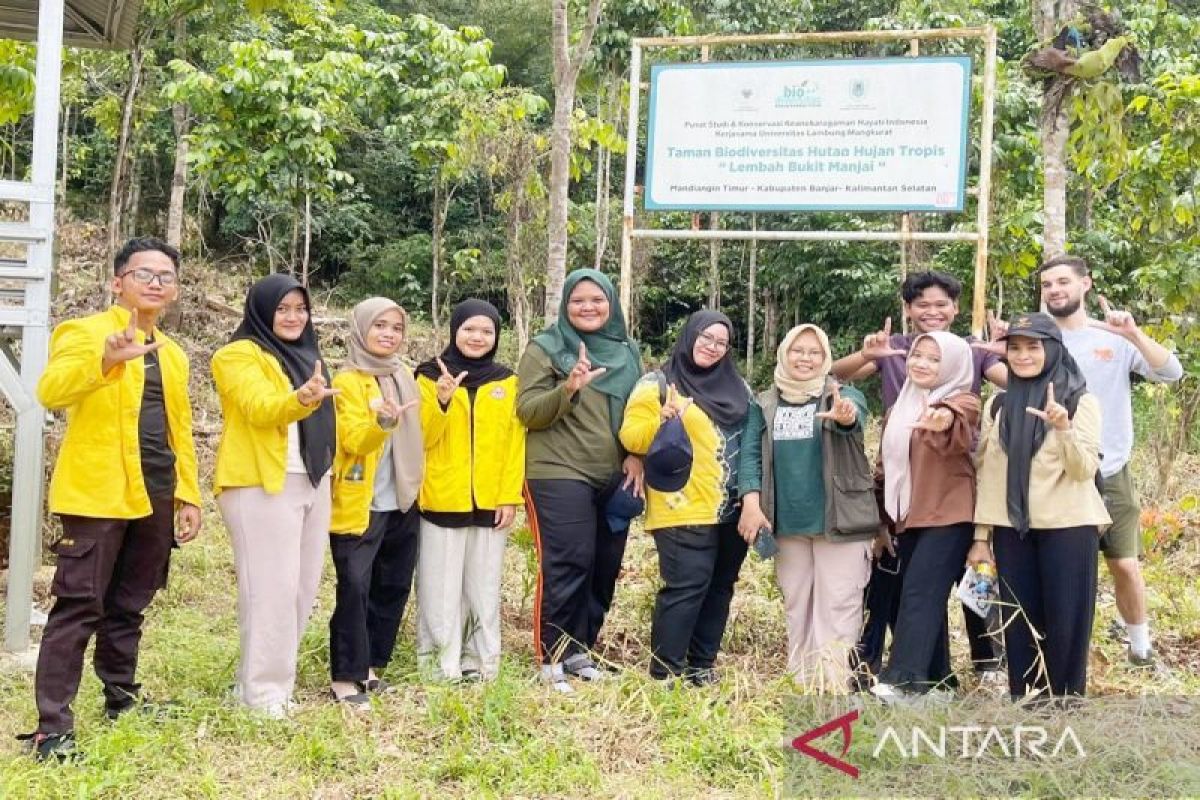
(806, 478)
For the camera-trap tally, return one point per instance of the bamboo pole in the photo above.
(631, 138)
(813, 36)
(806, 236)
(983, 215)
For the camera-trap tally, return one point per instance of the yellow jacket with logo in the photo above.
(360, 440)
(705, 498)
(99, 467)
(258, 403)
(474, 453)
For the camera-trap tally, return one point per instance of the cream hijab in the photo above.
(791, 388)
(955, 376)
(396, 382)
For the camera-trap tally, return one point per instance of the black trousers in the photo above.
(1047, 590)
(374, 580)
(882, 604)
(108, 572)
(579, 560)
(699, 566)
(920, 656)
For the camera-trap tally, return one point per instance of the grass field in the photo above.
(625, 737)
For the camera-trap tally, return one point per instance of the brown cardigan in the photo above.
(943, 474)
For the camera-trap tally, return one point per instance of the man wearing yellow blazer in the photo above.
(125, 486)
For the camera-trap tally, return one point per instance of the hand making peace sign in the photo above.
(1054, 414)
(675, 406)
(878, 345)
(582, 374)
(315, 390)
(448, 384)
(842, 411)
(123, 345)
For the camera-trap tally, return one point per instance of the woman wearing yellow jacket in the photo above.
(474, 471)
(273, 481)
(376, 475)
(694, 518)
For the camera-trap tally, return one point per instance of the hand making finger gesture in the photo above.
(1054, 415)
(841, 411)
(879, 344)
(123, 345)
(934, 419)
(315, 389)
(448, 384)
(675, 406)
(582, 373)
(1115, 321)
(388, 412)
(997, 329)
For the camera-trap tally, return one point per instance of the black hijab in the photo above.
(298, 359)
(479, 370)
(719, 390)
(1022, 433)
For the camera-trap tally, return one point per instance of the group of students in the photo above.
(402, 473)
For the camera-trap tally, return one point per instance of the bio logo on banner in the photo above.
(802, 95)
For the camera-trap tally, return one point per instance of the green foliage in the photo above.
(16, 80)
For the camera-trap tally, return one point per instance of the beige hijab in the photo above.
(397, 384)
(791, 388)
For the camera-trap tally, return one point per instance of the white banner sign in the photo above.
(851, 135)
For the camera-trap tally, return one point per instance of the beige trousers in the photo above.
(458, 600)
(279, 543)
(822, 585)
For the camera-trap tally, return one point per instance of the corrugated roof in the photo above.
(87, 23)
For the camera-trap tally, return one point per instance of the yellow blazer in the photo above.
(258, 403)
(474, 455)
(99, 467)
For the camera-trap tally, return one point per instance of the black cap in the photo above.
(1034, 325)
(669, 460)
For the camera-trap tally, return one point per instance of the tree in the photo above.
(568, 60)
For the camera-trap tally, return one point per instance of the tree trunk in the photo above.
(567, 63)
(714, 264)
(770, 322)
(1049, 16)
(307, 238)
(435, 279)
(179, 116)
(64, 158)
(117, 187)
(751, 297)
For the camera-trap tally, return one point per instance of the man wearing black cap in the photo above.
(1108, 352)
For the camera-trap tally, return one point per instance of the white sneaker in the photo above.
(553, 675)
(890, 695)
(582, 667)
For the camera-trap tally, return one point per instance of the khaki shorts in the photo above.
(1123, 539)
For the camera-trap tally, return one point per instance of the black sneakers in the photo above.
(50, 746)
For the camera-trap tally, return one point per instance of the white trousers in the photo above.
(279, 543)
(458, 600)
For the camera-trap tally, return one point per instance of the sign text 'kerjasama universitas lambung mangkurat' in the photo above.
(886, 134)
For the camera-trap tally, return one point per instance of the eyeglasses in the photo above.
(707, 340)
(147, 277)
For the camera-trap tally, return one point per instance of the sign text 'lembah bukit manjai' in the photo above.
(852, 134)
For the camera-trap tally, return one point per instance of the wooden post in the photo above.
(983, 215)
(631, 138)
(914, 49)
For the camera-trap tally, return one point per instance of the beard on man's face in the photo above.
(1065, 310)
